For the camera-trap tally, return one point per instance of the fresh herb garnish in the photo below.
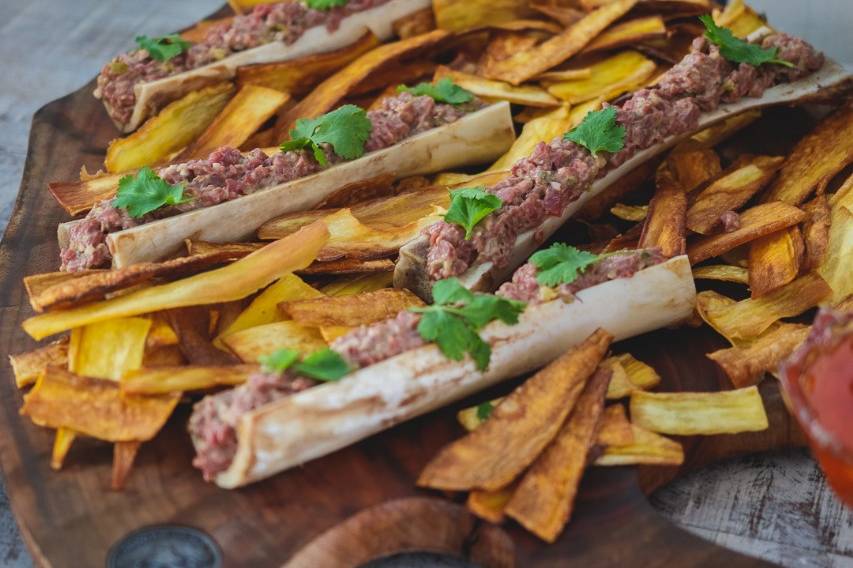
(145, 192)
(163, 48)
(444, 91)
(484, 410)
(469, 206)
(598, 131)
(737, 50)
(346, 129)
(456, 316)
(560, 264)
(322, 365)
(325, 4)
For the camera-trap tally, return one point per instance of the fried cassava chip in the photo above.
(687, 169)
(775, 260)
(490, 505)
(165, 380)
(108, 349)
(28, 366)
(721, 273)
(491, 90)
(610, 78)
(816, 231)
(647, 448)
(357, 284)
(628, 33)
(520, 427)
(461, 15)
(250, 344)
(746, 365)
(700, 413)
(544, 499)
(615, 428)
(124, 454)
(837, 265)
(351, 311)
(664, 226)
(62, 442)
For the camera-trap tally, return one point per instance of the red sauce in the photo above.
(828, 385)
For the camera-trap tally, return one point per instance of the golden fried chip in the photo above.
(628, 184)
(165, 380)
(491, 90)
(730, 191)
(95, 408)
(699, 413)
(816, 231)
(461, 15)
(520, 427)
(531, 62)
(357, 284)
(108, 349)
(28, 366)
(124, 454)
(633, 213)
(250, 344)
(664, 226)
(178, 124)
(565, 75)
(647, 448)
(351, 311)
(543, 501)
(721, 273)
(490, 505)
(77, 197)
(62, 441)
(837, 265)
(628, 33)
(746, 365)
(615, 428)
(610, 78)
(775, 260)
(755, 222)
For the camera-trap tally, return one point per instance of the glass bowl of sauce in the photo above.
(817, 381)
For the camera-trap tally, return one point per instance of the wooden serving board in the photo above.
(71, 518)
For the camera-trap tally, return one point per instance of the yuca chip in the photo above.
(233, 282)
(358, 284)
(755, 222)
(461, 15)
(633, 213)
(165, 380)
(629, 374)
(350, 311)
(28, 366)
(124, 454)
(244, 114)
(628, 33)
(730, 191)
(77, 197)
(161, 333)
(416, 23)
(815, 160)
(298, 76)
(347, 266)
(565, 75)
(178, 124)
(647, 448)
(491, 90)
(503, 45)
(194, 326)
(165, 356)
(837, 264)
(664, 226)
(615, 428)
(686, 169)
(58, 290)
(490, 505)
(816, 231)
(528, 25)
(331, 92)
(746, 365)
(610, 78)
(520, 427)
(721, 273)
(250, 344)
(700, 413)
(630, 183)
(95, 408)
(62, 441)
(566, 15)
(108, 349)
(543, 501)
(531, 62)
(775, 260)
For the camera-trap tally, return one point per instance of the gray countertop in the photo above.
(773, 506)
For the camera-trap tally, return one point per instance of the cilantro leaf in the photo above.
(323, 365)
(444, 91)
(560, 264)
(484, 410)
(469, 206)
(325, 4)
(453, 320)
(598, 131)
(346, 129)
(145, 192)
(163, 48)
(279, 360)
(737, 50)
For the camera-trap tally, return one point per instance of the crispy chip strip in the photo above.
(95, 408)
(124, 454)
(416, 23)
(629, 375)
(350, 311)
(610, 78)
(77, 197)
(62, 441)
(165, 380)
(664, 227)
(108, 349)
(28, 366)
(774, 260)
(244, 114)
(193, 325)
(250, 344)
(331, 92)
(232, 282)
(745, 366)
(699, 413)
(298, 76)
(755, 222)
(628, 33)
(633, 213)
(520, 427)
(838, 262)
(530, 63)
(629, 183)
(722, 273)
(749, 318)
(491, 90)
(357, 284)
(816, 231)
(730, 191)
(461, 15)
(620, 385)
(544, 499)
(686, 169)
(174, 127)
(165, 356)
(615, 429)
(490, 505)
(647, 448)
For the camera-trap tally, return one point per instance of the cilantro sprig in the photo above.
(561, 264)
(325, 4)
(598, 131)
(163, 48)
(322, 365)
(737, 50)
(145, 192)
(456, 316)
(444, 91)
(346, 129)
(484, 410)
(469, 206)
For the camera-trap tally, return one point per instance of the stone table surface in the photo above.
(776, 507)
